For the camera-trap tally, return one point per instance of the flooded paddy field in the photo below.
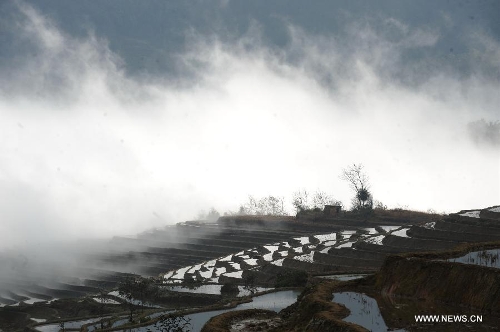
(271, 301)
(364, 311)
(344, 277)
(216, 289)
(489, 258)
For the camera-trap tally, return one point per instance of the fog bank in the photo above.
(88, 151)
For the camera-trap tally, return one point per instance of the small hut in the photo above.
(332, 210)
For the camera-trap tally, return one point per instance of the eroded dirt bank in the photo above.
(429, 277)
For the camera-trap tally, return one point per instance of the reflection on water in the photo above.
(203, 289)
(272, 301)
(48, 328)
(125, 320)
(364, 310)
(67, 325)
(215, 289)
(200, 319)
(133, 301)
(344, 277)
(482, 258)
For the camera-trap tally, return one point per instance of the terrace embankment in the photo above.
(407, 285)
(320, 243)
(429, 277)
(258, 318)
(315, 310)
(257, 249)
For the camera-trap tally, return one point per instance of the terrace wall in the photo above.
(447, 235)
(433, 280)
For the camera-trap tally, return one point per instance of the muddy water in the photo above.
(363, 309)
(272, 301)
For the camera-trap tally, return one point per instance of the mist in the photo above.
(88, 150)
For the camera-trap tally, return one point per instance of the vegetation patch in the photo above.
(427, 276)
(315, 311)
(223, 322)
(291, 278)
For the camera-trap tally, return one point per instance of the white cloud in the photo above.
(89, 151)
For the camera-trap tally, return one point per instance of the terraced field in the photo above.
(234, 248)
(348, 247)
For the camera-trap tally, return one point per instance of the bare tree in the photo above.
(250, 207)
(137, 288)
(249, 281)
(271, 206)
(103, 299)
(320, 199)
(301, 201)
(212, 215)
(266, 206)
(127, 289)
(358, 181)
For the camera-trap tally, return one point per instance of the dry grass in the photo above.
(223, 322)
(315, 311)
(459, 250)
(408, 215)
(427, 276)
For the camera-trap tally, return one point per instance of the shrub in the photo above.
(169, 323)
(229, 289)
(292, 278)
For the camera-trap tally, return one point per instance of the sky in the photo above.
(116, 118)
